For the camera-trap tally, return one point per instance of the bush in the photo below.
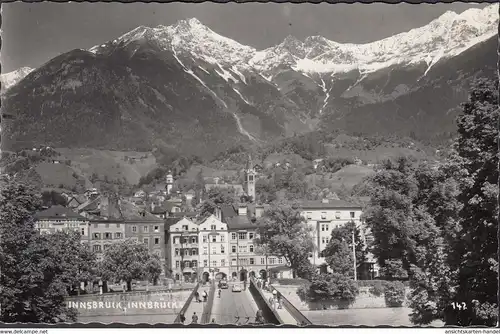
(394, 293)
(377, 289)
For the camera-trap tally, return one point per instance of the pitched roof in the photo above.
(131, 212)
(240, 222)
(331, 204)
(58, 211)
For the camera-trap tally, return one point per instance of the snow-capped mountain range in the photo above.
(446, 36)
(190, 88)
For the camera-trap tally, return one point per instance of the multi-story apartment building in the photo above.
(148, 229)
(104, 232)
(325, 215)
(58, 218)
(246, 258)
(182, 250)
(213, 249)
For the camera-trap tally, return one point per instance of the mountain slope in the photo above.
(189, 88)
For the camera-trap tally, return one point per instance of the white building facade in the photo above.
(323, 216)
(182, 250)
(213, 249)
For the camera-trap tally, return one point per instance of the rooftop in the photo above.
(59, 212)
(328, 204)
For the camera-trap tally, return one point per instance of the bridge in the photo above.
(239, 307)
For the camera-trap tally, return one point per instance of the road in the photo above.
(233, 304)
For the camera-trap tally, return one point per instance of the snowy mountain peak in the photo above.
(446, 36)
(11, 78)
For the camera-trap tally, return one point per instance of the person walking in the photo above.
(194, 318)
(197, 297)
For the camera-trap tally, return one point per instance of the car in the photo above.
(237, 287)
(223, 285)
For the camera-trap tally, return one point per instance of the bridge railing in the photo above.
(301, 318)
(270, 315)
(207, 311)
(186, 304)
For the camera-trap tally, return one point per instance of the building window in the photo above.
(262, 260)
(251, 248)
(222, 263)
(242, 249)
(108, 235)
(118, 225)
(322, 240)
(134, 229)
(322, 227)
(250, 236)
(214, 263)
(214, 238)
(272, 260)
(233, 236)
(177, 252)
(323, 215)
(118, 235)
(194, 264)
(222, 238)
(205, 250)
(252, 260)
(233, 262)
(177, 263)
(205, 263)
(280, 260)
(96, 236)
(204, 238)
(242, 235)
(233, 249)
(214, 250)
(308, 215)
(97, 248)
(157, 241)
(337, 215)
(157, 229)
(327, 240)
(352, 214)
(146, 241)
(213, 227)
(326, 227)
(222, 250)
(145, 228)
(83, 231)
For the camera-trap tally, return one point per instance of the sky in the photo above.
(34, 33)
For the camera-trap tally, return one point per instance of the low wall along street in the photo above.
(156, 307)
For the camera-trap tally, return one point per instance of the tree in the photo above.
(215, 198)
(51, 198)
(330, 286)
(283, 231)
(338, 252)
(36, 270)
(478, 248)
(128, 260)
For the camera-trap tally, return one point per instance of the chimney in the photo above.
(259, 211)
(242, 210)
(216, 180)
(324, 200)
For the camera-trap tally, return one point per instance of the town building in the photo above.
(217, 182)
(182, 249)
(58, 218)
(246, 257)
(104, 232)
(325, 215)
(169, 182)
(213, 249)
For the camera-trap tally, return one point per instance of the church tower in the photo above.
(170, 182)
(250, 176)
